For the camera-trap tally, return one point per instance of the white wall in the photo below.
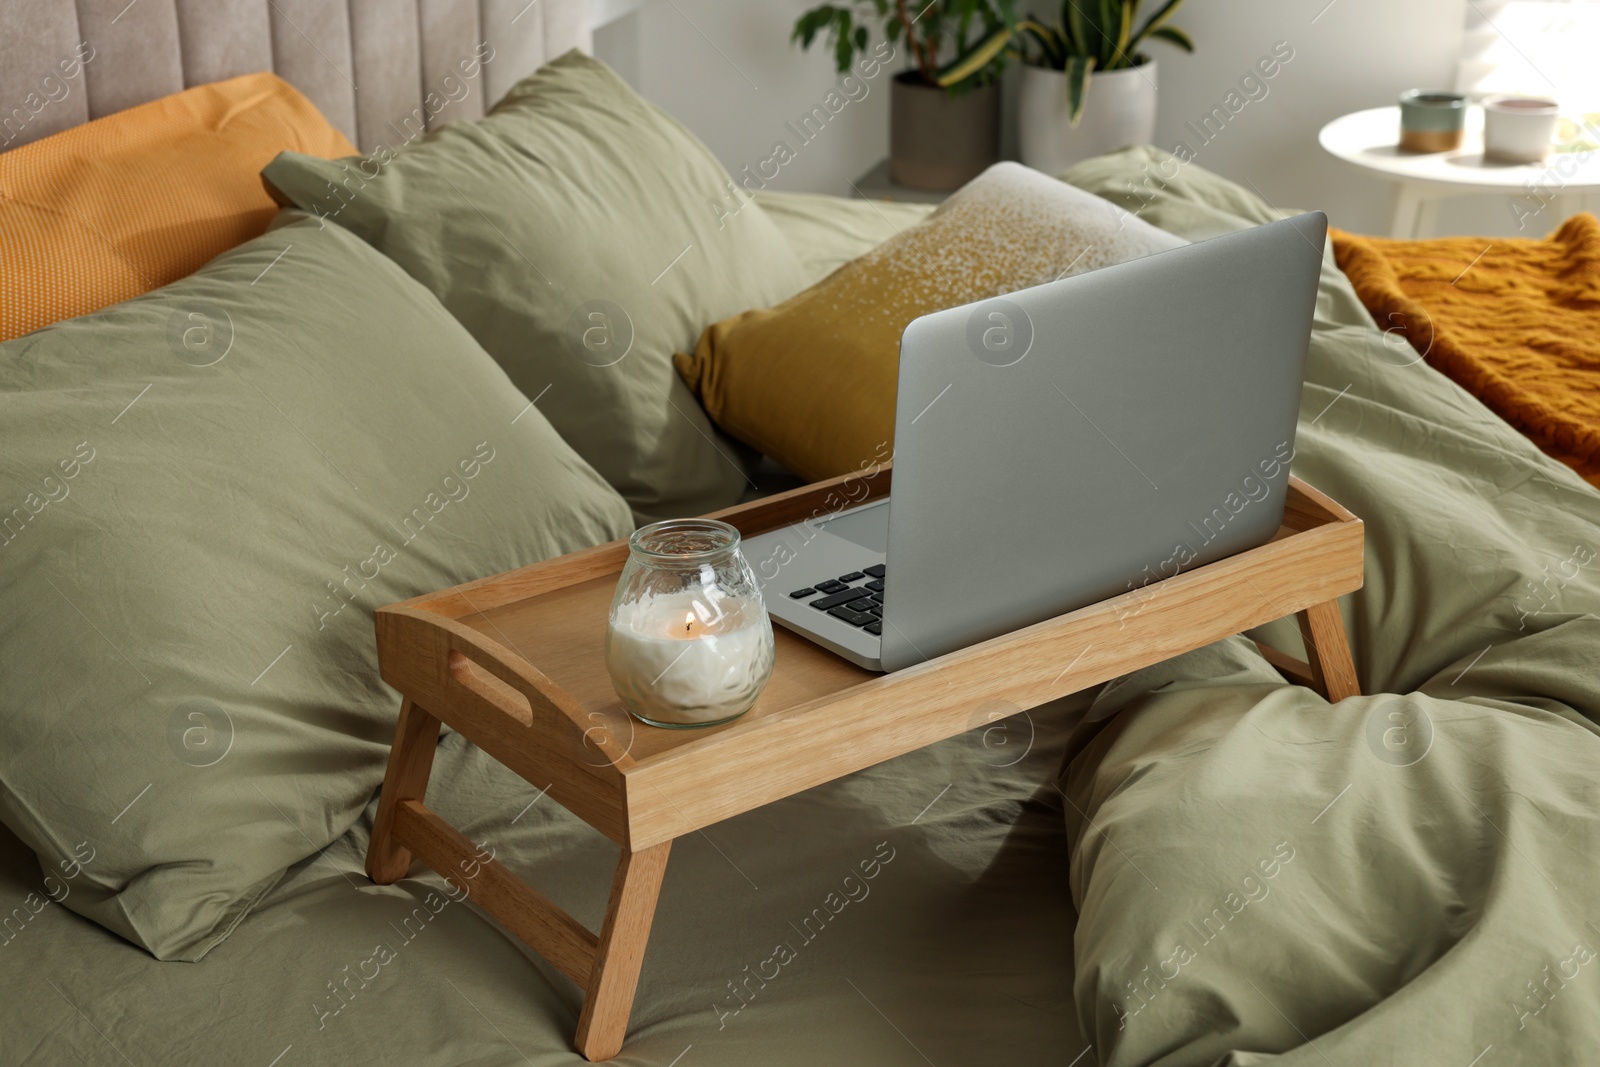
(1348, 55)
(726, 69)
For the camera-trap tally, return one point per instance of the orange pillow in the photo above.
(127, 203)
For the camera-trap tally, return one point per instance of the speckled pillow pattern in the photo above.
(811, 382)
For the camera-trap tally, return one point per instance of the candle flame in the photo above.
(688, 621)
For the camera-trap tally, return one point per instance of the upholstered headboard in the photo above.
(377, 68)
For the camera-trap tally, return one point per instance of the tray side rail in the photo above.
(760, 760)
(1306, 508)
(495, 698)
(808, 501)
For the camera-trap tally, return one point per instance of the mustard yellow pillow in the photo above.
(811, 382)
(100, 213)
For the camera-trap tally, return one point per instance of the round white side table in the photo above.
(1539, 195)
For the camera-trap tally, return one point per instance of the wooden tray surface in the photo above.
(540, 631)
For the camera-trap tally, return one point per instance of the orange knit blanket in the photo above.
(1515, 321)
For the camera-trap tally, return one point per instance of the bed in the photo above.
(1196, 864)
(287, 988)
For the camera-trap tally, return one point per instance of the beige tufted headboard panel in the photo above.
(377, 68)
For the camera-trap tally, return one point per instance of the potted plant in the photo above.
(1086, 87)
(944, 110)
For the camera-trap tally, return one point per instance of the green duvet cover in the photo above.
(1409, 877)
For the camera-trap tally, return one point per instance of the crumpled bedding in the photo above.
(1406, 877)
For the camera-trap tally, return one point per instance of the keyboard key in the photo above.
(852, 576)
(874, 627)
(854, 618)
(830, 586)
(833, 600)
(876, 570)
(877, 598)
(876, 585)
(876, 609)
(800, 594)
(866, 603)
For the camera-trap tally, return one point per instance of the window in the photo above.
(1547, 48)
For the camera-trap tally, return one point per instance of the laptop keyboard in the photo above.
(857, 604)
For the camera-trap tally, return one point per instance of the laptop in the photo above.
(1065, 444)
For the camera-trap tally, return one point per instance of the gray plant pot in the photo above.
(938, 141)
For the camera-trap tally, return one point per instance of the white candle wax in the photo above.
(678, 658)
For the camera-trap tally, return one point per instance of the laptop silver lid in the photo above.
(1070, 442)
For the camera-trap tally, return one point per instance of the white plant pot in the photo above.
(1119, 109)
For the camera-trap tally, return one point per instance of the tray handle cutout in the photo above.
(490, 688)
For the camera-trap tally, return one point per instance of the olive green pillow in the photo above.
(204, 492)
(583, 236)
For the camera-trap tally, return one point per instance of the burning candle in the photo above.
(690, 643)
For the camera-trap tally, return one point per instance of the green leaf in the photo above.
(1173, 35)
(1163, 13)
(805, 27)
(975, 59)
(1078, 70)
(1052, 45)
(1096, 39)
(1078, 27)
(1110, 20)
(1064, 28)
(892, 30)
(1120, 57)
(843, 47)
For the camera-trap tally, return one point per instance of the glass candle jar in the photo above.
(689, 642)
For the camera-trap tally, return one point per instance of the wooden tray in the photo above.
(516, 663)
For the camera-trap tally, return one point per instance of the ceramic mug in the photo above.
(1519, 129)
(1431, 120)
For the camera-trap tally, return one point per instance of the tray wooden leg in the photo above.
(1333, 674)
(410, 762)
(603, 1022)
(607, 966)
